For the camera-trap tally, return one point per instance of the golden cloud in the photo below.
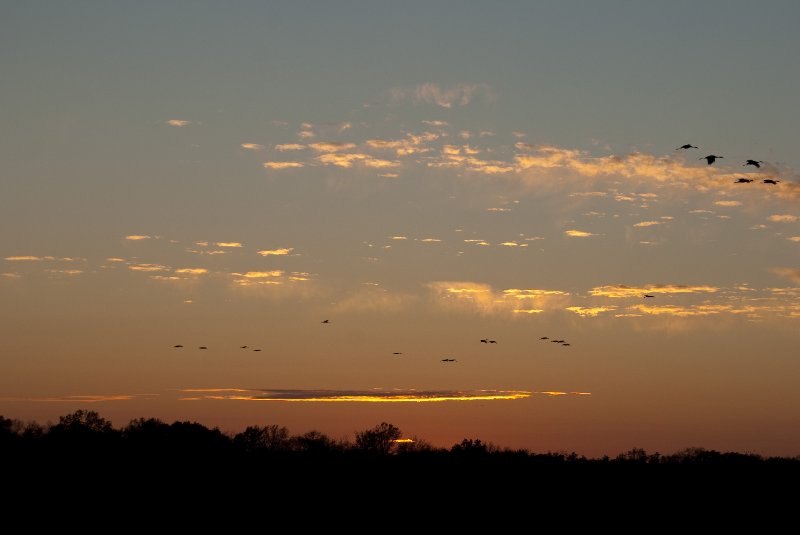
(623, 291)
(228, 244)
(260, 274)
(331, 146)
(784, 218)
(681, 311)
(789, 273)
(591, 311)
(276, 252)
(350, 396)
(137, 237)
(283, 165)
(289, 146)
(647, 223)
(251, 146)
(178, 122)
(28, 258)
(578, 233)
(192, 271)
(148, 267)
(729, 204)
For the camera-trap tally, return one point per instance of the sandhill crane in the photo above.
(756, 163)
(711, 158)
(687, 146)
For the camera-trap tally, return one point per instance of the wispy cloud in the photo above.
(283, 165)
(647, 223)
(148, 267)
(284, 147)
(228, 244)
(591, 311)
(251, 146)
(682, 311)
(430, 93)
(728, 204)
(260, 274)
(28, 258)
(331, 146)
(578, 234)
(623, 291)
(192, 271)
(789, 273)
(276, 252)
(137, 237)
(178, 122)
(350, 396)
(784, 218)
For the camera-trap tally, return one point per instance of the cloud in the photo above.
(66, 271)
(483, 299)
(178, 122)
(789, 273)
(137, 237)
(498, 209)
(28, 258)
(260, 274)
(389, 175)
(376, 299)
(430, 240)
(114, 259)
(794, 239)
(647, 223)
(578, 234)
(289, 146)
(399, 237)
(305, 134)
(729, 204)
(682, 311)
(331, 146)
(148, 267)
(81, 398)
(363, 396)
(591, 311)
(283, 165)
(342, 160)
(228, 244)
(429, 93)
(623, 291)
(10, 275)
(251, 146)
(192, 271)
(276, 252)
(436, 123)
(784, 218)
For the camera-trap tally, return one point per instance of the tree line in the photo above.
(86, 432)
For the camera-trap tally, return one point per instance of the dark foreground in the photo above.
(147, 462)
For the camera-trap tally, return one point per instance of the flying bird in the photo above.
(770, 181)
(202, 347)
(743, 180)
(484, 340)
(243, 347)
(177, 345)
(397, 353)
(557, 341)
(565, 344)
(648, 295)
(256, 350)
(544, 338)
(711, 158)
(448, 360)
(492, 341)
(753, 162)
(325, 321)
(687, 146)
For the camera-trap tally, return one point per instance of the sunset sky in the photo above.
(423, 176)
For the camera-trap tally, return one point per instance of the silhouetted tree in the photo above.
(313, 442)
(267, 438)
(470, 447)
(380, 439)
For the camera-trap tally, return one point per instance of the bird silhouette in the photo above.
(544, 338)
(492, 341)
(484, 340)
(397, 353)
(753, 162)
(243, 347)
(177, 345)
(770, 181)
(448, 360)
(325, 321)
(711, 158)
(648, 295)
(687, 146)
(557, 341)
(256, 350)
(743, 180)
(565, 344)
(202, 347)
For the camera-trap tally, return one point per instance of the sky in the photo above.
(422, 176)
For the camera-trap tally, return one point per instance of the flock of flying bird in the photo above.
(711, 158)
